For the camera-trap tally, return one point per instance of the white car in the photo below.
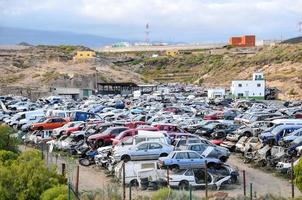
(184, 178)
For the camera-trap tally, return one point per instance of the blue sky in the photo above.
(170, 20)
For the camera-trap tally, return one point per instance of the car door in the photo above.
(195, 159)
(154, 150)
(182, 159)
(140, 152)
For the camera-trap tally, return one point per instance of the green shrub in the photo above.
(7, 142)
(57, 192)
(298, 175)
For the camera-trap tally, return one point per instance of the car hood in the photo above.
(98, 135)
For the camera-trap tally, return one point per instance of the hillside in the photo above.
(282, 66)
(41, 67)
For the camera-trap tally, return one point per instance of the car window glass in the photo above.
(193, 155)
(142, 147)
(195, 148)
(182, 155)
(189, 173)
(155, 146)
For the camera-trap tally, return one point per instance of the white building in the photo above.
(215, 93)
(254, 88)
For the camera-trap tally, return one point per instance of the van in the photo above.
(30, 116)
(137, 170)
(57, 113)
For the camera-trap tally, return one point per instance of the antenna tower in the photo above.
(147, 32)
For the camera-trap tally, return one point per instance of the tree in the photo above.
(27, 177)
(298, 175)
(7, 142)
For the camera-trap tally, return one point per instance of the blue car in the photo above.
(277, 133)
(291, 137)
(296, 143)
(186, 159)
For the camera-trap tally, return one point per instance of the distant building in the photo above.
(243, 41)
(172, 53)
(254, 88)
(268, 42)
(215, 93)
(74, 93)
(84, 55)
(121, 44)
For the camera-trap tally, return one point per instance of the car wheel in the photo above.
(184, 185)
(40, 128)
(163, 155)
(211, 165)
(248, 134)
(84, 162)
(223, 158)
(134, 183)
(126, 158)
(176, 167)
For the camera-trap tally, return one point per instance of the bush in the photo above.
(168, 194)
(6, 141)
(298, 175)
(7, 156)
(27, 177)
(57, 192)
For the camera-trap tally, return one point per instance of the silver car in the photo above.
(143, 151)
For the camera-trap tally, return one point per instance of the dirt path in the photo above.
(93, 178)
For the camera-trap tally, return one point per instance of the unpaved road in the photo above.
(93, 178)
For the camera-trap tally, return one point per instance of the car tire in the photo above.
(211, 165)
(184, 185)
(176, 167)
(134, 183)
(84, 162)
(163, 155)
(247, 134)
(223, 158)
(125, 158)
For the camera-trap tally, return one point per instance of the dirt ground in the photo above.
(93, 178)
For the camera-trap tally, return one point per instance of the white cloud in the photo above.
(188, 15)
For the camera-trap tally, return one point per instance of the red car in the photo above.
(169, 128)
(104, 138)
(213, 116)
(130, 133)
(217, 141)
(132, 124)
(70, 130)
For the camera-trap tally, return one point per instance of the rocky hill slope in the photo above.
(45, 66)
(281, 64)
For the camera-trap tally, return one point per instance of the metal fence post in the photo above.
(69, 196)
(292, 178)
(168, 177)
(206, 178)
(77, 180)
(124, 182)
(42, 149)
(190, 192)
(63, 169)
(251, 191)
(244, 183)
(130, 192)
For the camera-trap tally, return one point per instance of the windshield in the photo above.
(298, 140)
(276, 130)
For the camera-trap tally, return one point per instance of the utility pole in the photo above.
(300, 26)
